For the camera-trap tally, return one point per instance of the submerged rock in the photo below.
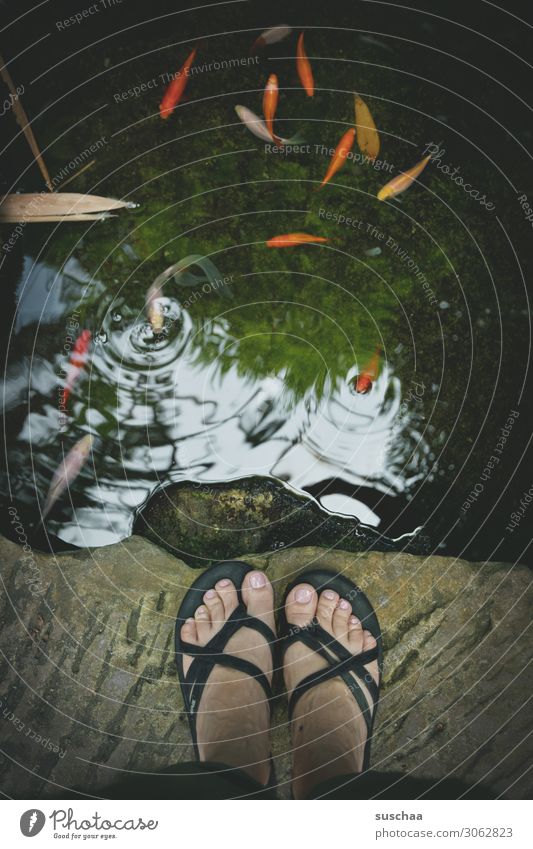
(204, 523)
(89, 691)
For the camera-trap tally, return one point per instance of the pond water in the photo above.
(256, 376)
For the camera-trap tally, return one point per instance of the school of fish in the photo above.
(364, 132)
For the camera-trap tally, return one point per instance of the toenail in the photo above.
(225, 582)
(210, 594)
(329, 594)
(354, 620)
(343, 604)
(201, 611)
(257, 580)
(189, 621)
(303, 595)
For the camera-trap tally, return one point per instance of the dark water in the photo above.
(255, 377)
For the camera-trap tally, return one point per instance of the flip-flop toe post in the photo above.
(341, 662)
(205, 658)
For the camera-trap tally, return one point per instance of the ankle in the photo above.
(328, 739)
(250, 754)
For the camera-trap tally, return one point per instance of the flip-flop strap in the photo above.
(213, 654)
(341, 663)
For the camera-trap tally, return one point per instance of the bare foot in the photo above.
(234, 716)
(328, 729)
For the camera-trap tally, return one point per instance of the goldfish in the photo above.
(364, 381)
(270, 103)
(403, 180)
(290, 239)
(184, 276)
(303, 66)
(339, 157)
(367, 134)
(154, 311)
(77, 362)
(174, 92)
(67, 471)
(259, 128)
(270, 36)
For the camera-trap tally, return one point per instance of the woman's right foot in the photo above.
(329, 732)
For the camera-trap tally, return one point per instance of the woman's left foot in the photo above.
(233, 717)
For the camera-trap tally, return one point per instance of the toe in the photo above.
(227, 592)
(369, 642)
(258, 596)
(355, 634)
(188, 634)
(203, 624)
(341, 617)
(301, 603)
(215, 606)
(327, 603)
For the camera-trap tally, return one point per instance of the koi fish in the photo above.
(67, 471)
(367, 134)
(270, 104)
(184, 276)
(363, 382)
(339, 157)
(259, 128)
(175, 90)
(403, 180)
(270, 36)
(303, 66)
(290, 239)
(154, 311)
(77, 362)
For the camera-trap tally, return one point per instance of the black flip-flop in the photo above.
(341, 663)
(213, 654)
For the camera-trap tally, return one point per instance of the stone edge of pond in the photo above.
(88, 642)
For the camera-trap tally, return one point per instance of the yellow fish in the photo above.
(367, 134)
(403, 180)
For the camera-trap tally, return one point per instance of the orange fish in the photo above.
(303, 66)
(174, 92)
(270, 103)
(339, 157)
(363, 382)
(290, 239)
(402, 181)
(367, 134)
(77, 362)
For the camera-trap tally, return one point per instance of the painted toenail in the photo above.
(303, 595)
(343, 604)
(257, 580)
(225, 582)
(210, 594)
(329, 594)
